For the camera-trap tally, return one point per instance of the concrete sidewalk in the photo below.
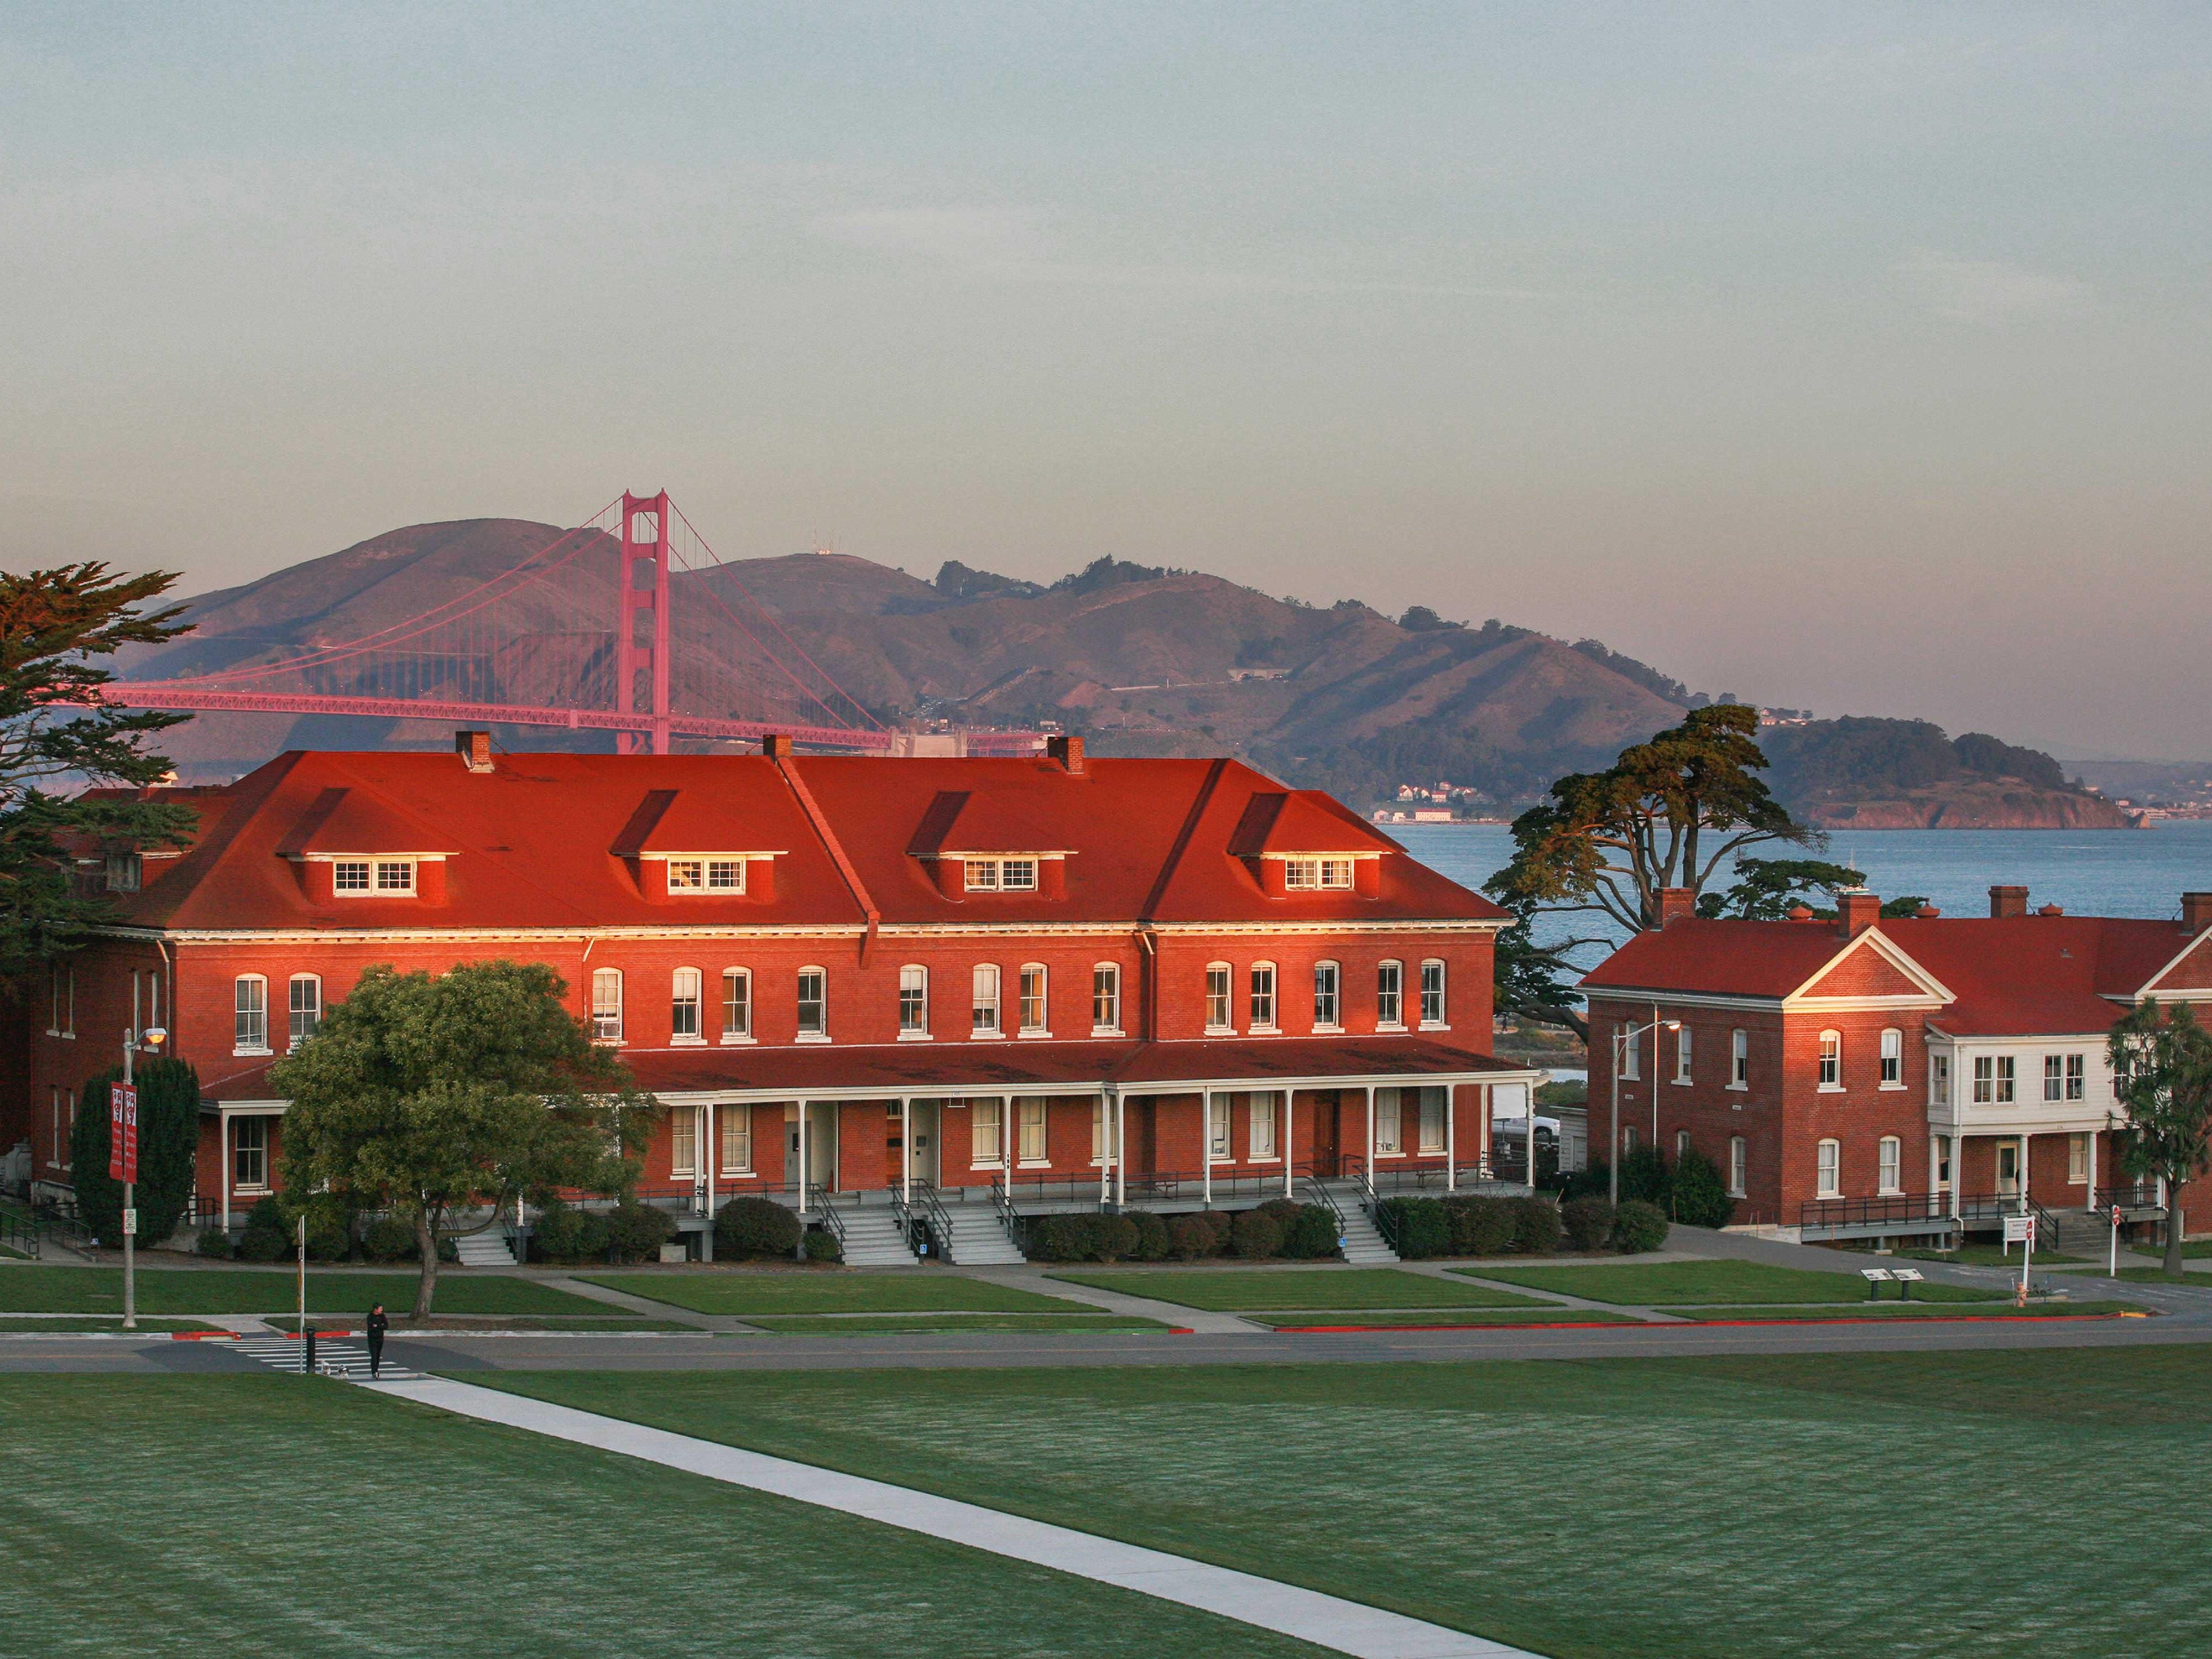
(1327, 1621)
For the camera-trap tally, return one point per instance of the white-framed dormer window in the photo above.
(1891, 1165)
(705, 875)
(1033, 1006)
(913, 1002)
(1682, 1053)
(306, 999)
(1328, 979)
(1262, 1115)
(1106, 999)
(125, 873)
(1263, 996)
(351, 876)
(1828, 1170)
(1311, 875)
(1030, 1143)
(1390, 1124)
(252, 1006)
(813, 987)
(1738, 1155)
(1390, 995)
(606, 1005)
(1893, 1058)
(686, 991)
(1630, 1050)
(1219, 1013)
(1432, 995)
(1217, 1129)
(737, 1006)
(1832, 1060)
(1739, 1059)
(394, 877)
(1000, 875)
(983, 999)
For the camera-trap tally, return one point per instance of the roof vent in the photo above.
(1927, 913)
(2050, 911)
(475, 749)
(1801, 913)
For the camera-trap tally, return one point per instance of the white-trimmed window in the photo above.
(1832, 1060)
(1328, 979)
(1985, 1079)
(722, 876)
(253, 1004)
(1001, 875)
(1106, 999)
(1432, 994)
(1102, 1134)
(306, 1007)
(1390, 994)
(1681, 1145)
(983, 999)
(1739, 1154)
(2077, 1076)
(1390, 1124)
(61, 984)
(249, 1153)
(1939, 1080)
(1630, 1047)
(683, 1141)
(686, 989)
(1892, 1164)
(736, 1005)
(394, 877)
(1217, 1129)
(1893, 1058)
(1828, 1170)
(1033, 1009)
(1029, 1146)
(2054, 1076)
(737, 1123)
(125, 873)
(1307, 875)
(914, 1001)
(2008, 1079)
(1217, 994)
(1739, 1059)
(985, 1124)
(1682, 1053)
(350, 876)
(1263, 996)
(1259, 1107)
(2077, 1160)
(1432, 1120)
(1942, 1144)
(606, 1005)
(813, 1003)
(1628, 1141)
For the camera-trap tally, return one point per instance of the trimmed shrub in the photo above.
(1152, 1235)
(1701, 1194)
(1284, 1212)
(747, 1228)
(388, 1240)
(1645, 1176)
(1637, 1226)
(1218, 1222)
(1588, 1221)
(1190, 1238)
(635, 1233)
(1420, 1226)
(823, 1247)
(215, 1241)
(1311, 1234)
(1593, 1179)
(1480, 1226)
(565, 1234)
(1254, 1235)
(1112, 1238)
(1535, 1225)
(262, 1244)
(1059, 1237)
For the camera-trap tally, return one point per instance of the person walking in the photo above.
(377, 1324)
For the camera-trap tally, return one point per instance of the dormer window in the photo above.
(395, 876)
(1001, 875)
(125, 872)
(706, 875)
(376, 878)
(1310, 875)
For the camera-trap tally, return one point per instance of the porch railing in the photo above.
(2140, 1196)
(1894, 1209)
(933, 1214)
(817, 1203)
(1010, 1219)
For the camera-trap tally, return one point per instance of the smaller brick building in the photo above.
(1877, 1078)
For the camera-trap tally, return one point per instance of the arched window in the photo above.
(253, 1002)
(914, 1001)
(1432, 994)
(1893, 1058)
(1106, 999)
(606, 1005)
(983, 999)
(1218, 1011)
(1893, 1165)
(306, 1007)
(1390, 994)
(736, 1006)
(1832, 1060)
(1033, 1009)
(1328, 979)
(1829, 1170)
(686, 988)
(1263, 996)
(813, 1005)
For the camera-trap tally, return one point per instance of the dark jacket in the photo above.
(377, 1324)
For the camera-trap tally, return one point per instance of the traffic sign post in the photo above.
(2021, 1228)
(2112, 1269)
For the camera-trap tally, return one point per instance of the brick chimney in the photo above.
(2006, 902)
(776, 744)
(1675, 902)
(2197, 912)
(1856, 911)
(475, 749)
(1068, 751)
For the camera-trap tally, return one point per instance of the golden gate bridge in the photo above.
(581, 633)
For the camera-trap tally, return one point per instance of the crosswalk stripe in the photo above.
(342, 1360)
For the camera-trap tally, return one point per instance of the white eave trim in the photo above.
(2150, 986)
(1874, 940)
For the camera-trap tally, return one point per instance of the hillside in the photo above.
(1861, 773)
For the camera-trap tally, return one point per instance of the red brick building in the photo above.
(1872, 1077)
(1163, 982)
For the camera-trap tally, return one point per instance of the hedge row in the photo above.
(1278, 1228)
(629, 1232)
(1480, 1226)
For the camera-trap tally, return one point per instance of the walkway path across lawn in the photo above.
(1327, 1621)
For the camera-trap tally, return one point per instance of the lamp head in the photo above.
(1673, 1025)
(153, 1037)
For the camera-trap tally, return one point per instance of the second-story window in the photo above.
(1263, 996)
(1432, 994)
(983, 1000)
(1033, 1001)
(1327, 981)
(1106, 997)
(2077, 1076)
(606, 1005)
(1832, 1060)
(813, 1003)
(1390, 993)
(1740, 1058)
(1629, 1047)
(1893, 1058)
(914, 1001)
(1682, 1055)
(1216, 997)
(307, 1009)
(2007, 1079)
(736, 1005)
(685, 991)
(252, 1012)
(1939, 1080)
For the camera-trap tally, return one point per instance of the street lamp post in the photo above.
(1621, 1039)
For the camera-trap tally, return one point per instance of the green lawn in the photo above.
(1916, 1311)
(268, 1291)
(1234, 1291)
(1789, 1507)
(72, 1324)
(876, 1324)
(1664, 1284)
(1554, 1314)
(2195, 1276)
(371, 1526)
(756, 1293)
(1986, 1255)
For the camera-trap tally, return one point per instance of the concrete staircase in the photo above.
(875, 1239)
(487, 1249)
(2080, 1233)
(978, 1240)
(1363, 1241)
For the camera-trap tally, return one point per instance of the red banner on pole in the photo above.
(123, 1132)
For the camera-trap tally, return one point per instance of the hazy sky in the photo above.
(1853, 356)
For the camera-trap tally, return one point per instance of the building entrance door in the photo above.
(923, 1123)
(1327, 1126)
(821, 1144)
(2008, 1169)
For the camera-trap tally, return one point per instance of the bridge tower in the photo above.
(641, 640)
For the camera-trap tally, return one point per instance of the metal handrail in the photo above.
(2135, 1196)
(817, 1199)
(1902, 1208)
(22, 1232)
(934, 1215)
(1010, 1219)
(1316, 1191)
(1386, 1223)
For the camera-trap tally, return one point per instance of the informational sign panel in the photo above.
(123, 1132)
(2019, 1230)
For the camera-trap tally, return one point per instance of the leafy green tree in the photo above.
(56, 732)
(2162, 1074)
(168, 1146)
(436, 1095)
(1700, 1195)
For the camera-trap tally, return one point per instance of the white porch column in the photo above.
(222, 1171)
(1371, 1138)
(1206, 1146)
(2024, 1199)
(1105, 1149)
(1120, 1121)
(802, 1156)
(2089, 1186)
(1958, 1170)
(1528, 1094)
(1288, 1150)
(906, 1149)
(1483, 1098)
(707, 1148)
(1005, 1144)
(1935, 1175)
(1452, 1138)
